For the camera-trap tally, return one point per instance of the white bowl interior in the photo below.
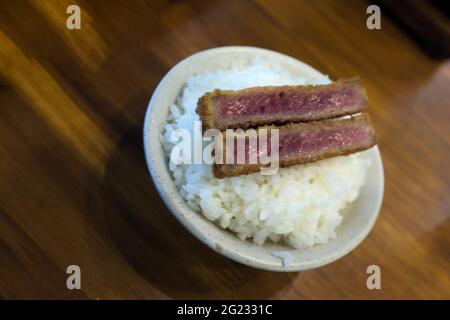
(359, 216)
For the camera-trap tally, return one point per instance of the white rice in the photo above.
(301, 205)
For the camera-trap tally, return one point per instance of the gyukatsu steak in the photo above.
(222, 109)
(306, 142)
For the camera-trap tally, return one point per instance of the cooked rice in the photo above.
(301, 205)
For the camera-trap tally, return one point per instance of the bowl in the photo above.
(360, 215)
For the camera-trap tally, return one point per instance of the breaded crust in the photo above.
(227, 170)
(206, 110)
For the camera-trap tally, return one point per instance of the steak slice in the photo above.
(306, 142)
(223, 109)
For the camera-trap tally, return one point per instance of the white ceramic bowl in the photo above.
(359, 218)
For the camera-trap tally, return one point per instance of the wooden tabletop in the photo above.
(74, 188)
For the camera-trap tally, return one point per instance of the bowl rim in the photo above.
(230, 252)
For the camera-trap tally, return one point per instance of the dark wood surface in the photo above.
(74, 188)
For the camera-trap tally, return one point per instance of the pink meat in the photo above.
(279, 105)
(308, 142)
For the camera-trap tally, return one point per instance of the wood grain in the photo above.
(73, 182)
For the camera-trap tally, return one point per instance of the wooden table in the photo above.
(74, 187)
